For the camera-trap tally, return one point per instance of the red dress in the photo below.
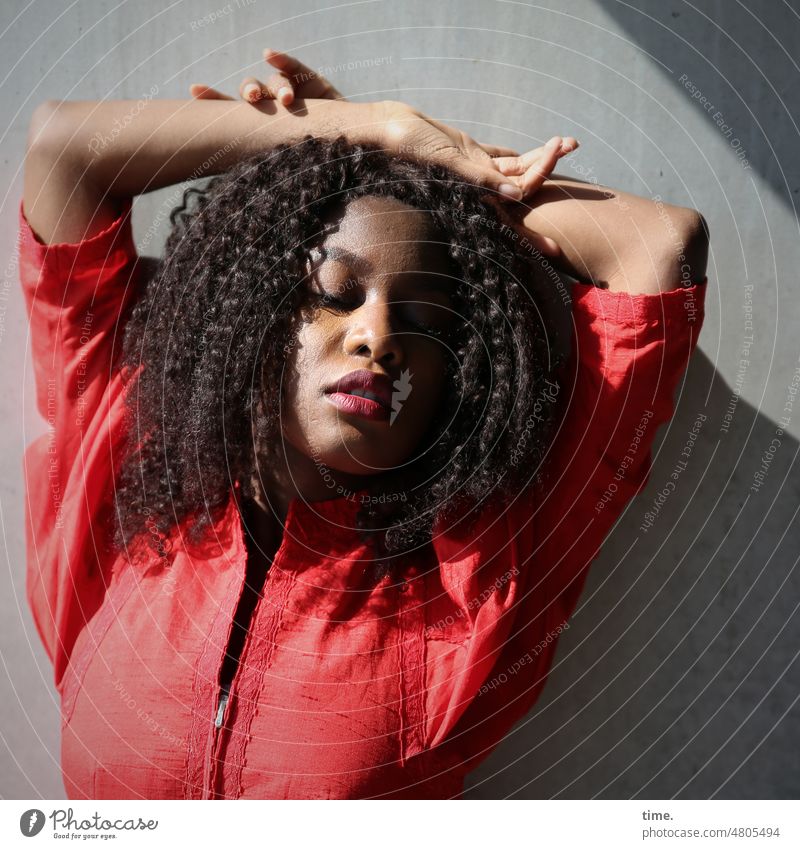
(342, 690)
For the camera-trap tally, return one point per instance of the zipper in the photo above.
(225, 690)
(210, 777)
(219, 718)
(224, 693)
(220, 714)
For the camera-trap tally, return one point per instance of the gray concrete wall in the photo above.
(679, 675)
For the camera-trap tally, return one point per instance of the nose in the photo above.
(371, 334)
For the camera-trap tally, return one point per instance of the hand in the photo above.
(407, 132)
(293, 80)
(529, 171)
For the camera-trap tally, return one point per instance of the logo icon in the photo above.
(402, 389)
(31, 822)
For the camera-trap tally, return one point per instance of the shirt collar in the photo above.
(321, 527)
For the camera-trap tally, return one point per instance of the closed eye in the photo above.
(346, 296)
(431, 318)
(421, 314)
(325, 299)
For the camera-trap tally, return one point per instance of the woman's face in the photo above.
(378, 285)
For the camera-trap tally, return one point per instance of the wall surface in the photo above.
(679, 676)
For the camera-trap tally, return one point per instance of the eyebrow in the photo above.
(362, 266)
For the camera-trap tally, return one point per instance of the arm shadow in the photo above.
(679, 674)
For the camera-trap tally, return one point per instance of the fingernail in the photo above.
(284, 92)
(554, 142)
(510, 190)
(252, 92)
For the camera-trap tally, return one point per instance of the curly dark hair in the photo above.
(209, 336)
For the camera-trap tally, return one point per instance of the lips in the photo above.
(362, 393)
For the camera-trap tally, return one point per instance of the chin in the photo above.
(359, 454)
(353, 463)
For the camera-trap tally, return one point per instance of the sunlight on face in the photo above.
(380, 290)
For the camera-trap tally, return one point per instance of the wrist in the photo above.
(359, 123)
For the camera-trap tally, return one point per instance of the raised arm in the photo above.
(619, 240)
(84, 157)
(616, 240)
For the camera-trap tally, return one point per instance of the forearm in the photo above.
(84, 156)
(617, 240)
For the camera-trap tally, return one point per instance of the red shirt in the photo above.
(343, 690)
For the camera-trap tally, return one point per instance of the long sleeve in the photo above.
(628, 355)
(78, 297)
(507, 594)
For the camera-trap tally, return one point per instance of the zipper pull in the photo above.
(223, 701)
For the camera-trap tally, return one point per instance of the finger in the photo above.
(537, 173)
(481, 174)
(540, 170)
(300, 74)
(252, 90)
(280, 88)
(494, 150)
(511, 166)
(289, 66)
(203, 92)
(515, 166)
(474, 164)
(479, 168)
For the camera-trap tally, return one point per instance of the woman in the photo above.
(290, 534)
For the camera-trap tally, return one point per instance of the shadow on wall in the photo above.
(736, 64)
(679, 676)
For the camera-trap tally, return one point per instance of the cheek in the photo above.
(302, 377)
(427, 382)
